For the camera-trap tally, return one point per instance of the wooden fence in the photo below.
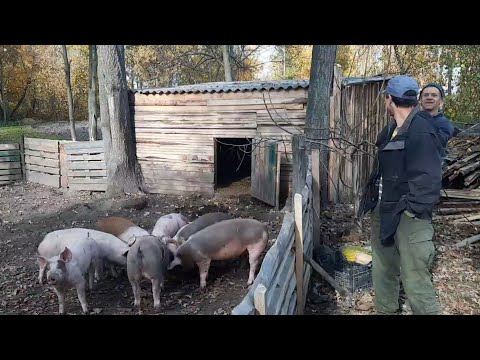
(78, 165)
(42, 161)
(83, 164)
(10, 163)
(357, 114)
(281, 285)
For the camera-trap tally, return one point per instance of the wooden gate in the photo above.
(266, 172)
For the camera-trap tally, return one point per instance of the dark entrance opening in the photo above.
(233, 160)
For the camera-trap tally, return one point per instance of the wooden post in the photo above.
(316, 196)
(277, 185)
(22, 157)
(259, 299)
(299, 163)
(356, 189)
(334, 158)
(299, 265)
(63, 165)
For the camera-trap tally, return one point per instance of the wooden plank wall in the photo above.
(175, 134)
(42, 164)
(85, 165)
(277, 281)
(360, 117)
(10, 163)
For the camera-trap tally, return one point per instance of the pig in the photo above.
(120, 227)
(148, 257)
(68, 269)
(168, 225)
(201, 223)
(224, 240)
(111, 248)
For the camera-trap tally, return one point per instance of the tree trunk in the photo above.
(3, 95)
(123, 171)
(449, 81)
(398, 57)
(226, 63)
(318, 108)
(92, 94)
(69, 92)
(20, 101)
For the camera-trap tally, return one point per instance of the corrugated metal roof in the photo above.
(242, 86)
(234, 86)
(365, 80)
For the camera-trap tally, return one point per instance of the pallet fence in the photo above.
(10, 163)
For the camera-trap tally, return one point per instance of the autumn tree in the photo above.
(226, 62)
(123, 171)
(172, 65)
(69, 92)
(17, 66)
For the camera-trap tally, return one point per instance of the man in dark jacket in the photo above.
(431, 99)
(409, 174)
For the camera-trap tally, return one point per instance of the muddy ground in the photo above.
(29, 211)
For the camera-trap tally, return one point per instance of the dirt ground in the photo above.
(456, 272)
(29, 211)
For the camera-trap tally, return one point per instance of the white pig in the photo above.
(168, 225)
(111, 248)
(223, 240)
(68, 270)
(199, 224)
(148, 257)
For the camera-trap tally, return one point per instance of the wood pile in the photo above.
(461, 169)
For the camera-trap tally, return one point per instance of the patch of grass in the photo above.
(13, 134)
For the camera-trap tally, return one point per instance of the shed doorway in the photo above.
(233, 161)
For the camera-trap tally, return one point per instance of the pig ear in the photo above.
(42, 262)
(66, 255)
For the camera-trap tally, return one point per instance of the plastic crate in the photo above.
(350, 276)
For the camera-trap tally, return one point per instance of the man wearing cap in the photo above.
(408, 171)
(431, 99)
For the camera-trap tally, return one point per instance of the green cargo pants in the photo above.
(410, 260)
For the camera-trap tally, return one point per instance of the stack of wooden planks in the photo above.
(461, 169)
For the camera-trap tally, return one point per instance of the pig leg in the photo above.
(40, 275)
(82, 297)
(61, 301)
(91, 276)
(254, 252)
(203, 267)
(156, 289)
(99, 271)
(136, 292)
(113, 271)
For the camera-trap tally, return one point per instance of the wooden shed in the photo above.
(191, 139)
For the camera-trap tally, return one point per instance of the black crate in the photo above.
(350, 276)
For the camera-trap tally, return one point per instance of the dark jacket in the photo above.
(410, 165)
(445, 129)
